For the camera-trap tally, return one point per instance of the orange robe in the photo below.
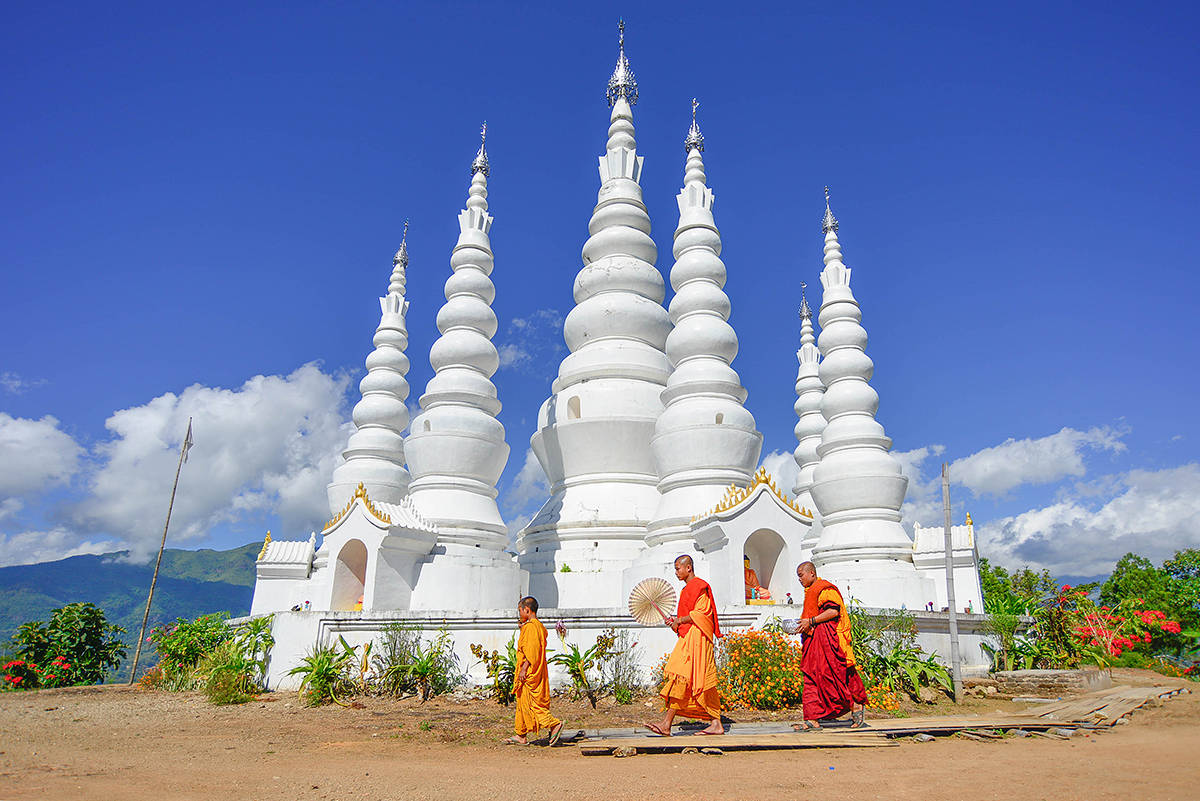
(831, 681)
(690, 687)
(533, 694)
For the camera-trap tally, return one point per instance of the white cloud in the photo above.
(996, 470)
(783, 468)
(15, 384)
(35, 454)
(532, 342)
(529, 485)
(1155, 513)
(268, 446)
(923, 502)
(30, 547)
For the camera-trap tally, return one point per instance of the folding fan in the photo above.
(650, 601)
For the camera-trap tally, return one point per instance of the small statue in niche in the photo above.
(754, 590)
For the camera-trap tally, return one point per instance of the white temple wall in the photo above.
(297, 632)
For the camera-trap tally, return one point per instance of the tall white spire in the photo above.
(705, 438)
(593, 437)
(857, 485)
(456, 449)
(375, 453)
(809, 393)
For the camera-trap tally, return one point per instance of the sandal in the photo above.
(807, 725)
(556, 733)
(514, 741)
(654, 728)
(856, 719)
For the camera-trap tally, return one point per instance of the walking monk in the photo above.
(532, 683)
(690, 688)
(832, 686)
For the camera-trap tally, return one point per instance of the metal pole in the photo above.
(955, 660)
(137, 654)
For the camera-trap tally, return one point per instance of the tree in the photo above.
(1136, 577)
(78, 639)
(1184, 570)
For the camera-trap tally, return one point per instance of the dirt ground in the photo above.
(132, 744)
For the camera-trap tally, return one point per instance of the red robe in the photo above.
(831, 683)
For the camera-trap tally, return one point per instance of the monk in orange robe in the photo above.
(690, 688)
(531, 685)
(832, 686)
(752, 583)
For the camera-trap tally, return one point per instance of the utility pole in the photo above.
(955, 660)
(183, 450)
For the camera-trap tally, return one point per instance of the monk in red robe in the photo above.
(690, 686)
(832, 686)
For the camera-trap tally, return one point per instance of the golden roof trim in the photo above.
(735, 496)
(360, 492)
(263, 552)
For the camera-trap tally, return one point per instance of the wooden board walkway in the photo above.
(736, 742)
(1094, 709)
(1105, 707)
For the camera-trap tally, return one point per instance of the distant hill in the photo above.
(190, 583)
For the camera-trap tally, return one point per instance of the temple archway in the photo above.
(349, 576)
(769, 558)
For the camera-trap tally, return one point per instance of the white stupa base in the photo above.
(880, 583)
(464, 577)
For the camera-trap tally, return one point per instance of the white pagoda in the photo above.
(646, 440)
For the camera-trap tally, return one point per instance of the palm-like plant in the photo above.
(325, 671)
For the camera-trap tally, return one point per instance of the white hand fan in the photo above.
(651, 601)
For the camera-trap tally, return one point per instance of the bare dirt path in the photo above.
(131, 744)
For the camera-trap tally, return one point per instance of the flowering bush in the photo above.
(182, 644)
(759, 669)
(1106, 632)
(19, 675)
(77, 645)
(882, 698)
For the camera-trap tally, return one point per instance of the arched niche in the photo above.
(573, 411)
(349, 576)
(770, 559)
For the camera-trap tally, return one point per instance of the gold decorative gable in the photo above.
(735, 495)
(266, 542)
(361, 492)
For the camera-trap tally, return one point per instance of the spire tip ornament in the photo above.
(805, 309)
(480, 164)
(401, 257)
(830, 222)
(694, 139)
(622, 82)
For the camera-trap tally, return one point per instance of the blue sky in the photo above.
(200, 204)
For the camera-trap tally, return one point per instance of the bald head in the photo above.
(684, 567)
(807, 573)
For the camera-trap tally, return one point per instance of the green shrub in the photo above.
(578, 663)
(501, 669)
(406, 666)
(182, 644)
(621, 676)
(887, 654)
(326, 673)
(76, 646)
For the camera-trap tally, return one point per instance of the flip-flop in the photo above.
(803, 727)
(513, 741)
(654, 728)
(556, 733)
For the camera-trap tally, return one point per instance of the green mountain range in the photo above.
(190, 583)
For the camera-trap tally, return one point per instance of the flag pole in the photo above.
(183, 449)
(955, 661)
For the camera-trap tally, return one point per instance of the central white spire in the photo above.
(705, 438)
(809, 392)
(456, 449)
(593, 437)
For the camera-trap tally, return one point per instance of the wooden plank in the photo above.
(736, 742)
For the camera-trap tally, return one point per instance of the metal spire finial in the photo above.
(830, 222)
(480, 164)
(401, 257)
(694, 138)
(622, 83)
(805, 311)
